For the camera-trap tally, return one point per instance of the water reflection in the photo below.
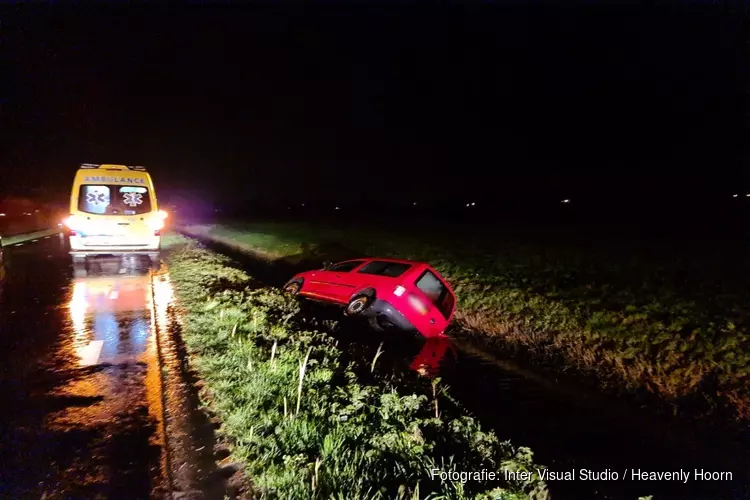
(109, 309)
(162, 297)
(433, 353)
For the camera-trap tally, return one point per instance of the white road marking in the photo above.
(90, 354)
(18, 244)
(34, 241)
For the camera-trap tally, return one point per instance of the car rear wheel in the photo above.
(358, 305)
(293, 287)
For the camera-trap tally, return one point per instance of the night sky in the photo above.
(379, 100)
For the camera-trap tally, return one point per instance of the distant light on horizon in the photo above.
(472, 203)
(2, 215)
(566, 200)
(735, 195)
(338, 208)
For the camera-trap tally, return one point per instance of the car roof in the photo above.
(395, 261)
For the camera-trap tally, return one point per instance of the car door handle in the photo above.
(432, 321)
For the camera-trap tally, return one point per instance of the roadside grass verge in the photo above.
(305, 420)
(670, 324)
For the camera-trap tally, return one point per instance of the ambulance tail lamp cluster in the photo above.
(73, 223)
(156, 222)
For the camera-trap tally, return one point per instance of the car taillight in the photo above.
(417, 304)
(72, 232)
(157, 233)
(399, 291)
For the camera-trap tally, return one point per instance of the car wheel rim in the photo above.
(292, 288)
(358, 306)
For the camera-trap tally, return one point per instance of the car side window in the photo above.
(384, 268)
(345, 267)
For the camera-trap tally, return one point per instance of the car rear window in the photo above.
(436, 291)
(111, 199)
(384, 268)
(345, 267)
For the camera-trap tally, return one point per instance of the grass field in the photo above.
(667, 321)
(306, 419)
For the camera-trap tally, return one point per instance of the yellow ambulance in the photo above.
(113, 211)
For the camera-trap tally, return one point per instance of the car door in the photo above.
(432, 291)
(333, 283)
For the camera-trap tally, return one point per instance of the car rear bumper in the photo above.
(80, 245)
(384, 310)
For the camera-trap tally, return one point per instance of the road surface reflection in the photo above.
(110, 311)
(108, 385)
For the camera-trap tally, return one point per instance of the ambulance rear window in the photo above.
(111, 199)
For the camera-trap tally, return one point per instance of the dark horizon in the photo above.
(338, 103)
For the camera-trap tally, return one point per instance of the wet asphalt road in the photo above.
(80, 378)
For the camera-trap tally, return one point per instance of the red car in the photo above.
(403, 294)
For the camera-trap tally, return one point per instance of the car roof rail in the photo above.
(137, 167)
(89, 165)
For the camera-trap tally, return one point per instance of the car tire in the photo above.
(358, 305)
(293, 287)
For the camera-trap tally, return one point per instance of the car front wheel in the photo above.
(293, 287)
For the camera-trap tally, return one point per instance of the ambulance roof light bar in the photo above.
(138, 168)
